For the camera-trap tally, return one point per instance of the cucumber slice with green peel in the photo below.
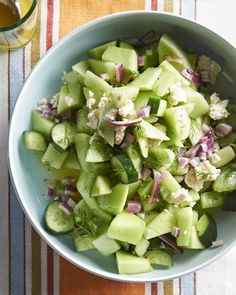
(71, 97)
(159, 158)
(125, 44)
(63, 134)
(133, 190)
(144, 192)
(211, 200)
(105, 245)
(167, 78)
(99, 151)
(195, 132)
(127, 227)
(195, 217)
(81, 122)
(143, 98)
(80, 69)
(195, 242)
(201, 107)
(84, 186)
(131, 264)
(195, 195)
(127, 57)
(178, 121)
(101, 186)
(158, 106)
(71, 77)
(53, 158)
(169, 47)
(41, 124)
(124, 168)
(226, 181)
(159, 257)
(151, 119)
(227, 140)
(184, 222)
(134, 157)
(169, 182)
(97, 52)
(114, 202)
(150, 56)
(56, 220)
(83, 243)
(96, 83)
(160, 225)
(207, 230)
(176, 170)
(142, 247)
(100, 67)
(120, 95)
(225, 155)
(152, 132)
(71, 161)
(147, 79)
(34, 141)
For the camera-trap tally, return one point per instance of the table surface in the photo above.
(27, 264)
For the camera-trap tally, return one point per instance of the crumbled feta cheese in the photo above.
(68, 101)
(42, 101)
(208, 68)
(177, 95)
(103, 102)
(127, 109)
(90, 103)
(90, 93)
(180, 196)
(93, 119)
(185, 232)
(191, 180)
(119, 135)
(218, 107)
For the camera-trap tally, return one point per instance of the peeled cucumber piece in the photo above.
(226, 181)
(34, 141)
(80, 69)
(127, 57)
(99, 67)
(71, 77)
(159, 257)
(131, 264)
(83, 242)
(195, 242)
(195, 132)
(211, 200)
(147, 79)
(114, 202)
(96, 83)
(159, 158)
(97, 52)
(63, 134)
(143, 98)
(71, 161)
(101, 186)
(169, 47)
(225, 155)
(184, 222)
(82, 120)
(53, 157)
(105, 245)
(99, 150)
(144, 192)
(142, 247)
(152, 132)
(41, 124)
(178, 121)
(120, 95)
(127, 227)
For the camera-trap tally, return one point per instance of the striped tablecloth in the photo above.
(27, 264)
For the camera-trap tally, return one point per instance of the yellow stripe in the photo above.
(168, 6)
(168, 288)
(35, 47)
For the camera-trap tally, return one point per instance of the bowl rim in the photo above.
(13, 176)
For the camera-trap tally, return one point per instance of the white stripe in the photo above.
(56, 16)
(56, 273)
(148, 5)
(160, 290)
(43, 27)
(148, 289)
(43, 268)
(161, 5)
(27, 60)
(176, 287)
(176, 6)
(28, 258)
(4, 244)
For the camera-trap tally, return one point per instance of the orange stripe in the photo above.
(168, 288)
(76, 281)
(75, 13)
(154, 5)
(50, 270)
(49, 24)
(168, 6)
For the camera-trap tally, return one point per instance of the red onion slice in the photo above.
(51, 192)
(140, 60)
(171, 243)
(192, 76)
(66, 208)
(119, 73)
(126, 123)
(145, 173)
(156, 187)
(183, 162)
(144, 112)
(134, 207)
(176, 231)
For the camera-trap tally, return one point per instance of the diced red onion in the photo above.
(65, 115)
(140, 60)
(223, 129)
(176, 231)
(144, 112)
(134, 207)
(126, 123)
(104, 76)
(145, 173)
(63, 197)
(156, 187)
(70, 190)
(183, 161)
(71, 203)
(130, 79)
(51, 192)
(192, 76)
(119, 73)
(205, 128)
(171, 243)
(177, 59)
(194, 162)
(66, 208)
(217, 244)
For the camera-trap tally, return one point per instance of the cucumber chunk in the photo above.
(144, 192)
(206, 228)
(226, 181)
(80, 69)
(97, 52)
(100, 67)
(131, 264)
(99, 151)
(159, 257)
(41, 124)
(34, 141)
(53, 158)
(147, 79)
(152, 132)
(83, 242)
(143, 98)
(82, 120)
(56, 220)
(96, 83)
(124, 168)
(195, 242)
(142, 247)
(101, 186)
(170, 183)
(120, 95)
(71, 77)
(133, 189)
(159, 158)
(127, 227)
(225, 155)
(134, 157)
(105, 245)
(195, 132)
(158, 106)
(71, 161)
(184, 222)
(211, 200)
(63, 134)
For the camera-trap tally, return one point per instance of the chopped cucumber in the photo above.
(97, 52)
(101, 186)
(105, 245)
(226, 181)
(143, 98)
(158, 106)
(207, 231)
(133, 190)
(71, 161)
(142, 247)
(80, 69)
(159, 257)
(99, 67)
(34, 141)
(211, 200)
(159, 158)
(195, 242)
(63, 134)
(41, 124)
(184, 222)
(53, 157)
(120, 95)
(224, 155)
(147, 79)
(96, 83)
(83, 242)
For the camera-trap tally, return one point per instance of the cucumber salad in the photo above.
(140, 148)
